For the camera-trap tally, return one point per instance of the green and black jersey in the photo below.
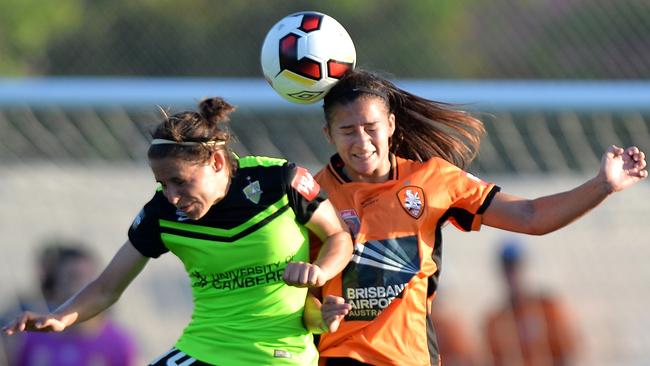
(244, 314)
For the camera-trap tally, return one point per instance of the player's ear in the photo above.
(327, 132)
(391, 124)
(218, 160)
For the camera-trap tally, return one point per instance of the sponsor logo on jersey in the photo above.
(305, 184)
(377, 274)
(253, 192)
(242, 277)
(352, 220)
(412, 200)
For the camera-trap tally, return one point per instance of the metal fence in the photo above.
(532, 127)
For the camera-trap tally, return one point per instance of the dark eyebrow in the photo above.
(363, 124)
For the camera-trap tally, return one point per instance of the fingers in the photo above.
(637, 160)
(9, 329)
(636, 154)
(25, 321)
(18, 325)
(29, 321)
(335, 305)
(614, 150)
(331, 299)
(48, 325)
(334, 311)
(632, 150)
(301, 274)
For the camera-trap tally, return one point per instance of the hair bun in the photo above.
(215, 109)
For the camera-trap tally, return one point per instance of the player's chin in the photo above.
(365, 172)
(196, 213)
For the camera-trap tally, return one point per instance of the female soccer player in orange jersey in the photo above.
(396, 178)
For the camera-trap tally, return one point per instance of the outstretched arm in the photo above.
(334, 254)
(94, 298)
(619, 169)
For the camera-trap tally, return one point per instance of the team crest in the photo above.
(352, 220)
(253, 192)
(412, 200)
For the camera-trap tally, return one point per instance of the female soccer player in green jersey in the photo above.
(240, 226)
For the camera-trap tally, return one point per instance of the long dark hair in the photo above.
(423, 128)
(206, 127)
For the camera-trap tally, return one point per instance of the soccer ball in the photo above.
(305, 54)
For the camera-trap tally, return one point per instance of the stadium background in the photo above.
(555, 81)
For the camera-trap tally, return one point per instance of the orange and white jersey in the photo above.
(393, 272)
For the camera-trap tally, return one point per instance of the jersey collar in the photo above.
(336, 168)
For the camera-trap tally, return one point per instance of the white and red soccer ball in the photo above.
(305, 54)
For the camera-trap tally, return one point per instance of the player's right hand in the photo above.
(621, 168)
(30, 321)
(303, 274)
(334, 309)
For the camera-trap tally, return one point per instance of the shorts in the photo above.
(176, 357)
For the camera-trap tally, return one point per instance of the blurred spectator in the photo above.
(455, 345)
(529, 329)
(64, 267)
(34, 301)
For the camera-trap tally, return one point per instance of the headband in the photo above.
(186, 143)
(364, 90)
(354, 92)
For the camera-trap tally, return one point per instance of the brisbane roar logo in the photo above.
(412, 200)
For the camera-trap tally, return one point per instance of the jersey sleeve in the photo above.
(305, 194)
(470, 197)
(144, 232)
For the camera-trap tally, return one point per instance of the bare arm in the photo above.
(337, 243)
(335, 252)
(619, 170)
(94, 298)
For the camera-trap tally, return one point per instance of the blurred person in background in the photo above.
(397, 177)
(529, 328)
(240, 226)
(455, 343)
(64, 267)
(45, 268)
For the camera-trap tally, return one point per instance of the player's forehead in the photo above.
(172, 168)
(363, 110)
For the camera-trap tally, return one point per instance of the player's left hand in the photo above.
(622, 168)
(334, 310)
(302, 274)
